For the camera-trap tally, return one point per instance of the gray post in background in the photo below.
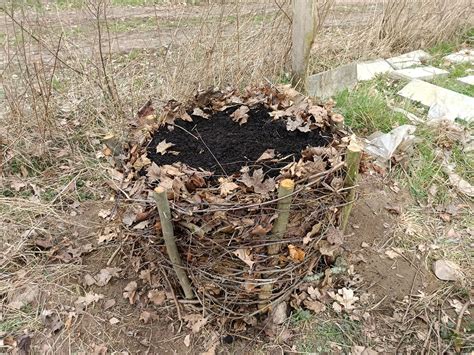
(303, 31)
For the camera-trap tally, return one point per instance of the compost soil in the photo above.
(222, 146)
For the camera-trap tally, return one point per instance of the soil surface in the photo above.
(221, 145)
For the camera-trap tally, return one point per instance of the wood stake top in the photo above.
(287, 184)
(159, 189)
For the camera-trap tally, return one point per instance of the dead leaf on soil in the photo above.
(99, 350)
(226, 186)
(447, 270)
(107, 235)
(344, 297)
(296, 254)
(240, 115)
(267, 155)
(258, 182)
(157, 297)
(114, 320)
(52, 321)
(23, 297)
(163, 146)
(245, 256)
(334, 236)
(187, 340)
(195, 321)
(105, 275)
(90, 297)
(130, 291)
(200, 113)
(109, 304)
(147, 316)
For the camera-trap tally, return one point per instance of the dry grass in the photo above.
(383, 28)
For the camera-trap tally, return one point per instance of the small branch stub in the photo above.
(285, 190)
(354, 152)
(161, 199)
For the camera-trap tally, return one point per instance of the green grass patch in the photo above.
(324, 335)
(365, 110)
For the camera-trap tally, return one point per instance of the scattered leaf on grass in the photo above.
(130, 292)
(315, 306)
(458, 305)
(296, 254)
(240, 115)
(245, 256)
(446, 270)
(163, 146)
(23, 297)
(157, 297)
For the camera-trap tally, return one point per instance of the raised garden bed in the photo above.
(223, 160)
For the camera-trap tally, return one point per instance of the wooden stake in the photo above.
(167, 229)
(354, 152)
(285, 190)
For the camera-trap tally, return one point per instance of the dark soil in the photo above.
(231, 144)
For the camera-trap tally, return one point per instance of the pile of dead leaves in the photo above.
(223, 224)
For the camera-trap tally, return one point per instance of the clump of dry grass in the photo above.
(379, 29)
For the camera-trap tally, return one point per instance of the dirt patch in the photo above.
(389, 275)
(219, 144)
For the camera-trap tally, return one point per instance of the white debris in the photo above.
(369, 70)
(384, 145)
(463, 56)
(422, 73)
(441, 101)
(408, 60)
(469, 80)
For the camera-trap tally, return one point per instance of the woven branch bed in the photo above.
(224, 214)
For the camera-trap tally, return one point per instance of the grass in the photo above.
(329, 335)
(366, 111)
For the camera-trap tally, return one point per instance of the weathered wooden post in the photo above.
(354, 152)
(303, 31)
(161, 199)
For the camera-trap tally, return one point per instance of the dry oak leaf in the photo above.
(157, 297)
(226, 186)
(447, 270)
(147, 316)
(257, 182)
(345, 297)
(296, 254)
(240, 115)
(200, 113)
(90, 297)
(195, 321)
(104, 276)
(315, 306)
(163, 146)
(130, 291)
(245, 256)
(266, 155)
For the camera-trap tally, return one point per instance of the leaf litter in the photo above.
(234, 150)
